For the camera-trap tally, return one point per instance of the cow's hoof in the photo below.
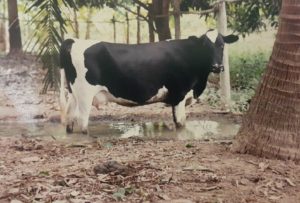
(69, 128)
(179, 125)
(85, 131)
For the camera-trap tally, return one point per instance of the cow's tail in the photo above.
(64, 56)
(62, 97)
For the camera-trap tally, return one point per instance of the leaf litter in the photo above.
(148, 172)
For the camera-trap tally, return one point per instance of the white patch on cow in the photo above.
(159, 97)
(179, 110)
(118, 100)
(212, 35)
(80, 103)
(189, 98)
(179, 114)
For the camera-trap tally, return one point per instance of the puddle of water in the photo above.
(197, 129)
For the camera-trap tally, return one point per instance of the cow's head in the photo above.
(215, 42)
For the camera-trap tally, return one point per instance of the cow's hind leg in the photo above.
(84, 107)
(179, 116)
(71, 109)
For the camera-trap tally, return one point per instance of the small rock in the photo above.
(244, 181)
(39, 116)
(111, 167)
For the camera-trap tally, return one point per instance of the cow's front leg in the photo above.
(179, 116)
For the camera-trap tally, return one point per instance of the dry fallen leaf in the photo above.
(30, 159)
(290, 182)
(164, 197)
(274, 197)
(244, 181)
(198, 168)
(15, 201)
(263, 166)
(74, 193)
(279, 185)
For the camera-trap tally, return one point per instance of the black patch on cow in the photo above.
(66, 62)
(137, 72)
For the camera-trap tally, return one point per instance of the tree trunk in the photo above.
(176, 5)
(271, 127)
(3, 28)
(138, 30)
(127, 28)
(76, 25)
(151, 24)
(15, 41)
(113, 20)
(224, 76)
(161, 18)
(88, 23)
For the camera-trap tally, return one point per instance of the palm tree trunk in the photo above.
(271, 127)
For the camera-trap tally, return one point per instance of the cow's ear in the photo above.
(230, 38)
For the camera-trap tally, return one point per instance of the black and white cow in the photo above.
(134, 75)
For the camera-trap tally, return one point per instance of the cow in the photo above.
(137, 74)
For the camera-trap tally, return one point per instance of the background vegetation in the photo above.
(45, 23)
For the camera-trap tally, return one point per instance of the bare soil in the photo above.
(128, 170)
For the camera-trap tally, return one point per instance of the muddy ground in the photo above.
(129, 170)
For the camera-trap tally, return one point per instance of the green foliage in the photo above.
(121, 193)
(243, 16)
(249, 16)
(48, 20)
(195, 4)
(246, 70)
(245, 74)
(241, 99)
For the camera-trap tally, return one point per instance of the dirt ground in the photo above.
(128, 170)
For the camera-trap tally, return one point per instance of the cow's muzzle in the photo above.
(217, 68)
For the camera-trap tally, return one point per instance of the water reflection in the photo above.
(197, 129)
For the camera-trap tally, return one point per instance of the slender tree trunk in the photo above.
(138, 30)
(224, 76)
(3, 27)
(161, 18)
(113, 20)
(127, 29)
(176, 5)
(271, 127)
(15, 40)
(88, 23)
(151, 24)
(76, 25)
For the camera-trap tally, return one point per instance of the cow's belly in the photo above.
(104, 96)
